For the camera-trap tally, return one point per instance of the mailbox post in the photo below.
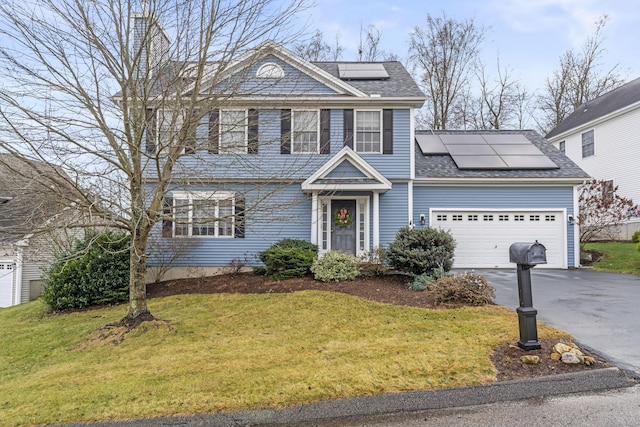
(527, 256)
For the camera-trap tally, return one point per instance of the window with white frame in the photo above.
(368, 130)
(201, 214)
(588, 144)
(305, 131)
(233, 131)
(562, 146)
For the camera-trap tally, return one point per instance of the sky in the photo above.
(528, 36)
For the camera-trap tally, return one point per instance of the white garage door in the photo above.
(483, 237)
(6, 281)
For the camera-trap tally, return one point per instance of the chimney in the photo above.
(150, 41)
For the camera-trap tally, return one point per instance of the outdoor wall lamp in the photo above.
(423, 219)
(571, 219)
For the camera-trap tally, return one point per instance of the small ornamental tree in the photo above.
(602, 210)
(421, 250)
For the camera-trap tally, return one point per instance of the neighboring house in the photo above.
(30, 203)
(341, 135)
(602, 136)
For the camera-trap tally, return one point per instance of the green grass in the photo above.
(226, 352)
(618, 257)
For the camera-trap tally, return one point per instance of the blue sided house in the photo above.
(328, 152)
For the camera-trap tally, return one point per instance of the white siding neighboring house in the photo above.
(603, 138)
(28, 238)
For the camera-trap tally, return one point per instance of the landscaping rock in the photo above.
(530, 360)
(570, 358)
(561, 348)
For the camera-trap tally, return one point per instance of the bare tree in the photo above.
(443, 52)
(119, 113)
(315, 49)
(501, 101)
(602, 210)
(577, 80)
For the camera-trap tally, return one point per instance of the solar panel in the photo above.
(479, 162)
(487, 151)
(431, 144)
(362, 71)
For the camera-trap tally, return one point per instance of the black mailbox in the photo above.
(528, 253)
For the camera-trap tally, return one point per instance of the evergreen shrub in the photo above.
(421, 250)
(335, 266)
(94, 272)
(288, 258)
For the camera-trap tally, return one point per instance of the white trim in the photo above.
(191, 196)
(576, 227)
(500, 182)
(410, 203)
(17, 275)
(293, 130)
(245, 127)
(355, 129)
(346, 154)
(376, 219)
(315, 219)
(317, 216)
(270, 70)
(412, 145)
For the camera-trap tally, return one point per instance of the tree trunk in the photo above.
(138, 311)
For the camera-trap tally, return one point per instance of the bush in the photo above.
(465, 288)
(289, 258)
(421, 250)
(374, 263)
(423, 281)
(94, 272)
(635, 238)
(335, 266)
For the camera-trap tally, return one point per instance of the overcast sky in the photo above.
(528, 35)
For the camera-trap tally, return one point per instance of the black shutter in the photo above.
(150, 129)
(167, 224)
(214, 131)
(239, 217)
(190, 144)
(348, 128)
(285, 132)
(325, 131)
(252, 143)
(387, 131)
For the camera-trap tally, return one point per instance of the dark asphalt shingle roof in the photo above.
(617, 99)
(443, 166)
(400, 83)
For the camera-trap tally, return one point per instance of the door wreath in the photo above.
(342, 218)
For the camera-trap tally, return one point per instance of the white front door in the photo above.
(483, 237)
(6, 283)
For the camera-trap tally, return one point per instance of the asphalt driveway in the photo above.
(601, 310)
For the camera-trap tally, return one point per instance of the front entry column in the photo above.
(314, 218)
(376, 219)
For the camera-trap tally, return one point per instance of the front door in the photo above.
(343, 226)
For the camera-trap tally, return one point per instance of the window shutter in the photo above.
(150, 129)
(325, 131)
(387, 131)
(239, 217)
(167, 224)
(214, 131)
(252, 143)
(285, 132)
(348, 128)
(190, 144)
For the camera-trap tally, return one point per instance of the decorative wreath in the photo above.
(342, 218)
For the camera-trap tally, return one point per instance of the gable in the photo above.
(345, 169)
(263, 78)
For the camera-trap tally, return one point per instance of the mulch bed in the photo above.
(391, 289)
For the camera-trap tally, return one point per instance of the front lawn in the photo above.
(619, 257)
(233, 351)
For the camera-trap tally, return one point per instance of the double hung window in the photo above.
(233, 131)
(368, 131)
(203, 215)
(305, 130)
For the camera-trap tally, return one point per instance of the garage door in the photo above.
(6, 281)
(483, 237)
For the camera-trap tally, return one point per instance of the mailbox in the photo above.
(528, 253)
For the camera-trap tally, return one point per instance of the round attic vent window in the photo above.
(270, 71)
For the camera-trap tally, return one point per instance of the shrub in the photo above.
(374, 262)
(421, 250)
(465, 288)
(423, 281)
(635, 238)
(289, 258)
(94, 272)
(335, 266)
